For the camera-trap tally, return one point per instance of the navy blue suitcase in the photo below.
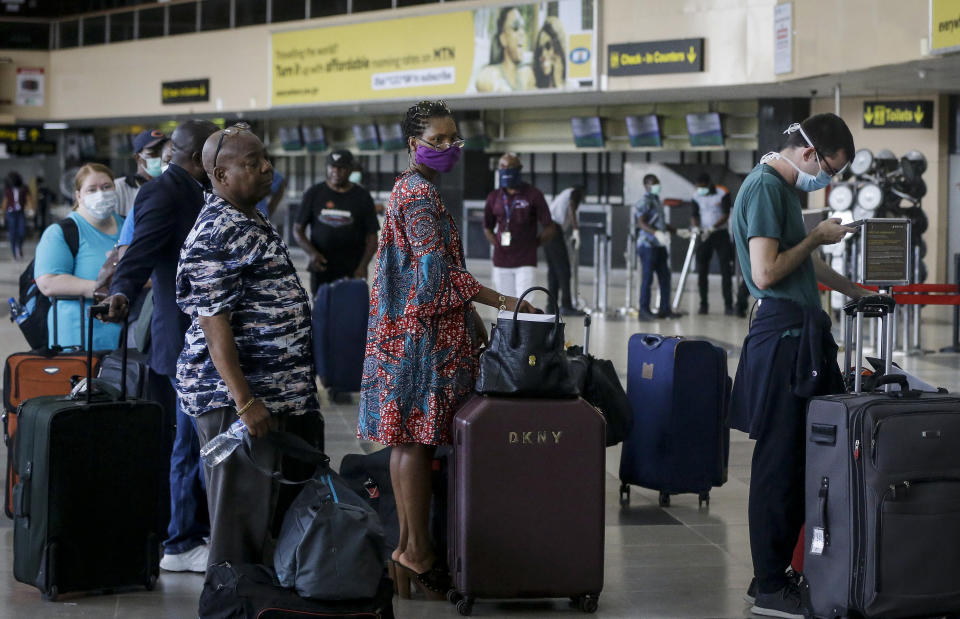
(340, 312)
(679, 392)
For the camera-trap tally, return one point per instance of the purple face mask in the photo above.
(440, 160)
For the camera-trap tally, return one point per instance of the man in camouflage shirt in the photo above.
(248, 351)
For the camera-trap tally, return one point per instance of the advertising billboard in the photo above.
(515, 48)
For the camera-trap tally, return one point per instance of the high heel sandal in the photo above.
(401, 579)
(434, 583)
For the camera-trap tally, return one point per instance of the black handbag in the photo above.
(526, 358)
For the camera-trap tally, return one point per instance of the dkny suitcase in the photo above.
(45, 371)
(340, 312)
(882, 495)
(527, 501)
(679, 392)
(90, 480)
(246, 591)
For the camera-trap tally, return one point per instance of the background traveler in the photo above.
(711, 211)
(16, 202)
(653, 238)
(515, 210)
(165, 212)
(343, 225)
(61, 274)
(563, 211)
(147, 147)
(423, 335)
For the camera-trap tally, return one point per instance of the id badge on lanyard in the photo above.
(505, 236)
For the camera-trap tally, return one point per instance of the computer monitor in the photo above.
(587, 131)
(705, 129)
(366, 137)
(644, 131)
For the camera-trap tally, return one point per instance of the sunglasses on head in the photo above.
(231, 130)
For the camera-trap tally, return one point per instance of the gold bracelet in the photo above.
(503, 303)
(246, 407)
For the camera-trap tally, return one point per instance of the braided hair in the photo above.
(417, 116)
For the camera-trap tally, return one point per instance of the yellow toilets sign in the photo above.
(944, 26)
(496, 50)
(898, 114)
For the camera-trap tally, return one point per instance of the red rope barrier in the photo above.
(927, 299)
(951, 289)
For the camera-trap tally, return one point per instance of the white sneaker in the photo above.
(193, 560)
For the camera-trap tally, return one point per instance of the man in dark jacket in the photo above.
(165, 211)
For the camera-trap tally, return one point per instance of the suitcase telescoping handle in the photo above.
(872, 306)
(54, 302)
(102, 310)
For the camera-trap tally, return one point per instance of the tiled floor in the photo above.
(675, 562)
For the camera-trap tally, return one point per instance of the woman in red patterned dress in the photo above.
(422, 338)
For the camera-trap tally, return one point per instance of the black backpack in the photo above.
(33, 304)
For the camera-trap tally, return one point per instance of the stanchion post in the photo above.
(596, 272)
(955, 347)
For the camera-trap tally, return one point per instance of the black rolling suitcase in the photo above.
(882, 495)
(90, 480)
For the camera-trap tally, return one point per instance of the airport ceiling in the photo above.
(63, 8)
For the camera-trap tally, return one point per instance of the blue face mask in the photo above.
(805, 181)
(702, 191)
(509, 177)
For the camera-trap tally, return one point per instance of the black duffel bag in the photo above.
(599, 385)
(526, 358)
(246, 591)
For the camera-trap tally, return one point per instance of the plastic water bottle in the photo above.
(222, 445)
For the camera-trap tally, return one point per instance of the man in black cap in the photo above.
(343, 225)
(146, 152)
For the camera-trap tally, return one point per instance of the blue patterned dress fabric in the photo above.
(232, 263)
(420, 365)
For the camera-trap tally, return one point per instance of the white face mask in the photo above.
(102, 204)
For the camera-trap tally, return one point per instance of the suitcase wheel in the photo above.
(587, 603)
(703, 499)
(151, 583)
(664, 499)
(465, 606)
(453, 596)
(51, 594)
(624, 495)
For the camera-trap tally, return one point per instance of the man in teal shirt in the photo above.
(781, 267)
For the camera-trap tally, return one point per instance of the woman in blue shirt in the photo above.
(61, 274)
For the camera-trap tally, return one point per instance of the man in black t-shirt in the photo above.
(343, 225)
